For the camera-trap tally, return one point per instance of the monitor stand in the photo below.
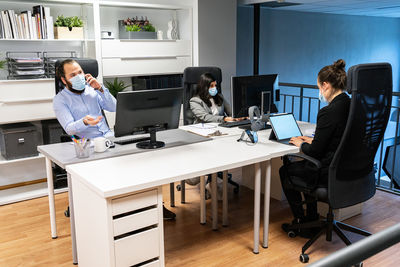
(152, 143)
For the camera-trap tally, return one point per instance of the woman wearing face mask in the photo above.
(208, 105)
(331, 122)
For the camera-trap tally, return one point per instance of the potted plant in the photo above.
(136, 29)
(116, 86)
(68, 28)
(2, 64)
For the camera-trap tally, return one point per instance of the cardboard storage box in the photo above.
(18, 140)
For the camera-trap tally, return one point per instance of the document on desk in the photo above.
(205, 130)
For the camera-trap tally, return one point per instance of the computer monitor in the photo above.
(148, 111)
(257, 90)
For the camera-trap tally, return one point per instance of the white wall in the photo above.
(217, 38)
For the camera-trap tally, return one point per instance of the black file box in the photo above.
(18, 140)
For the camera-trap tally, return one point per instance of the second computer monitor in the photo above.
(257, 90)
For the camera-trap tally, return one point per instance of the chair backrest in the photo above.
(88, 65)
(351, 173)
(191, 77)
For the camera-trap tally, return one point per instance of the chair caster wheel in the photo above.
(358, 265)
(178, 187)
(292, 234)
(304, 258)
(66, 213)
(236, 190)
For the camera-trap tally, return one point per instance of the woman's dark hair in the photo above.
(334, 74)
(202, 90)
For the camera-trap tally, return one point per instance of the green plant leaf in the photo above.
(2, 64)
(69, 22)
(116, 86)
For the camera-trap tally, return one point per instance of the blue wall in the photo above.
(296, 45)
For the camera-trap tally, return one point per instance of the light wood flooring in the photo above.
(25, 234)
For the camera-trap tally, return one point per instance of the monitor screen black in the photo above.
(147, 111)
(247, 91)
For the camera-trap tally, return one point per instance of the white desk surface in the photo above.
(129, 173)
(121, 175)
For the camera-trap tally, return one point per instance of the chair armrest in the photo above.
(314, 161)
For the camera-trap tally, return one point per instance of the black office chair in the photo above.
(349, 184)
(191, 76)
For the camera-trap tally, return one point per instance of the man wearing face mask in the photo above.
(79, 105)
(208, 105)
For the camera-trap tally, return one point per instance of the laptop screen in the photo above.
(285, 126)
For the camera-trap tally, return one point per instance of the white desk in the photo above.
(148, 171)
(63, 154)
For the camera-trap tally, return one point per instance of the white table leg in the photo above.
(225, 198)
(202, 200)
(257, 193)
(50, 187)
(214, 201)
(267, 193)
(72, 221)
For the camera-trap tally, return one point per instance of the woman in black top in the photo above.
(331, 122)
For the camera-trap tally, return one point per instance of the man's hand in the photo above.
(297, 141)
(93, 82)
(89, 120)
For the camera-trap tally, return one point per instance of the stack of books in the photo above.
(35, 24)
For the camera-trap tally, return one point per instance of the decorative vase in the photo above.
(172, 33)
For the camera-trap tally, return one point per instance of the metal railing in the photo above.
(361, 250)
(384, 180)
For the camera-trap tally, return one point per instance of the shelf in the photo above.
(4, 161)
(27, 192)
(27, 80)
(141, 5)
(46, 40)
(50, 2)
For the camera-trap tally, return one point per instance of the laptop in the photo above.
(284, 127)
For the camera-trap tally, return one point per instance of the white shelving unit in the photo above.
(31, 100)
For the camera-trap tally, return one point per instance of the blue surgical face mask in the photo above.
(322, 98)
(213, 91)
(78, 82)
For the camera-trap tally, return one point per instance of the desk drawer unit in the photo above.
(137, 229)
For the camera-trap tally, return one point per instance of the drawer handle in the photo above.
(21, 140)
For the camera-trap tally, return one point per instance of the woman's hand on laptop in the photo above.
(297, 141)
(307, 139)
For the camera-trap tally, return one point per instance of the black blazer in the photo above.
(331, 122)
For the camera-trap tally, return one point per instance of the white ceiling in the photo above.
(380, 8)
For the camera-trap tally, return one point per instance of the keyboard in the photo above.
(131, 140)
(234, 123)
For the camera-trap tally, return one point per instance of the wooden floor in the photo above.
(25, 234)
